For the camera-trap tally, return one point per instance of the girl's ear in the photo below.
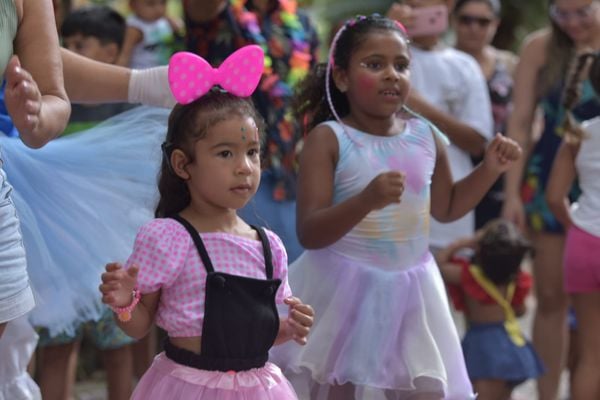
(340, 78)
(179, 161)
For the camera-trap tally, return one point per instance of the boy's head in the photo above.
(95, 32)
(500, 251)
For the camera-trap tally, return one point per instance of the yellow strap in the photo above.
(510, 324)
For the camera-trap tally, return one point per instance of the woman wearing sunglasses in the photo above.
(475, 24)
(539, 80)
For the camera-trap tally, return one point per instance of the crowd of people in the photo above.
(298, 229)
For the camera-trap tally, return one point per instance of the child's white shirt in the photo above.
(452, 81)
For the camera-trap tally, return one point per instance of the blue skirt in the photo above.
(80, 200)
(490, 354)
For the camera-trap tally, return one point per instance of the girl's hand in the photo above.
(22, 97)
(514, 211)
(300, 319)
(384, 189)
(500, 154)
(117, 284)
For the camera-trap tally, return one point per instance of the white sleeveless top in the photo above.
(153, 50)
(586, 211)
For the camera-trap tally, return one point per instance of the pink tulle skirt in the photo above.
(168, 380)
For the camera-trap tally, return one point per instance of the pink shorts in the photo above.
(582, 261)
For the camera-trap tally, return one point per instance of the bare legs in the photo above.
(488, 389)
(550, 336)
(586, 379)
(57, 369)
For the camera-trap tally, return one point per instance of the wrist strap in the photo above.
(124, 313)
(150, 87)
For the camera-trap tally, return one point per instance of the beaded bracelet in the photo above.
(124, 313)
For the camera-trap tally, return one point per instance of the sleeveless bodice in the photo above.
(8, 30)
(396, 236)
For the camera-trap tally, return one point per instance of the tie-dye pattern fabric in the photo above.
(382, 320)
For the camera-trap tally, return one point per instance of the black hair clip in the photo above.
(167, 149)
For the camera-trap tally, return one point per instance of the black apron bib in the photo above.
(240, 317)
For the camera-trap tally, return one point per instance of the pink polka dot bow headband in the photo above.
(191, 76)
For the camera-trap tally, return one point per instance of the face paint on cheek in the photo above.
(365, 83)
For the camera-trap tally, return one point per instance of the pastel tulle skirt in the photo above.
(168, 380)
(386, 333)
(80, 200)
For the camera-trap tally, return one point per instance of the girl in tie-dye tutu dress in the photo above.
(370, 175)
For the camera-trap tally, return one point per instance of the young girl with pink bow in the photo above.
(203, 274)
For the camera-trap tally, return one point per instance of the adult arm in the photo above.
(520, 121)
(461, 134)
(89, 81)
(561, 179)
(37, 103)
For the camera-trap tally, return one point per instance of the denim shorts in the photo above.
(16, 297)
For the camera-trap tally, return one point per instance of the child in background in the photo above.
(95, 32)
(579, 158)
(371, 174)
(198, 269)
(150, 35)
(491, 289)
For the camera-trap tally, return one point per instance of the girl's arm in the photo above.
(35, 94)
(451, 272)
(560, 181)
(319, 223)
(520, 121)
(117, 286)
(133, 36)
(451, 200)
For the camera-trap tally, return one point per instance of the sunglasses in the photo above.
(469, 20)
(581, 14)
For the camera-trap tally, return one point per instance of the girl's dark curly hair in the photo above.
(310, 102)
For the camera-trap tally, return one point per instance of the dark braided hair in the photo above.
(501, 250)
(310, 103)
(572, 93)
(188, 124)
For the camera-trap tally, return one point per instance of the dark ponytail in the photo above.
(572, 93)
